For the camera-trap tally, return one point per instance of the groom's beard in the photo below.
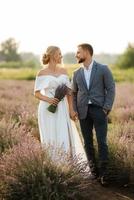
(81, 60)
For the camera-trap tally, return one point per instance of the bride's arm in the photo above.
(39, 96)
(72, 113)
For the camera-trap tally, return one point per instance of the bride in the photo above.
(56, 128)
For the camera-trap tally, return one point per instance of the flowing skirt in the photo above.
(59, 130)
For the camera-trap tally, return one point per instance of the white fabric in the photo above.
(87, 74)
(56, 128)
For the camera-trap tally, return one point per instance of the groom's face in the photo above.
(81, 55)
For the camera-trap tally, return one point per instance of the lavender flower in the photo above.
(60, 93)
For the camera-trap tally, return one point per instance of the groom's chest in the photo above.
(88, 80)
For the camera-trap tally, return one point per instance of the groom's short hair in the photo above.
(87, 46)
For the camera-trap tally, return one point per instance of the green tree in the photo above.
(8, 50)
(126, 60)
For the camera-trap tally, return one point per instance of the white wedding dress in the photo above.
(57, 128)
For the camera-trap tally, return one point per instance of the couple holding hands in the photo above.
(89, 99)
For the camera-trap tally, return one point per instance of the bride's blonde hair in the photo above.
(49, 53)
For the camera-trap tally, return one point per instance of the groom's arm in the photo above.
(109, 85)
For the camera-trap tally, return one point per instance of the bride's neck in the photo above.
(52, 66)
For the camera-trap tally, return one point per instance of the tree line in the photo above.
(9, 57)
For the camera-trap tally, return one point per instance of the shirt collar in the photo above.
(89, 67)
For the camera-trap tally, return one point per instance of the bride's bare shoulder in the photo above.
(42, 72)
(63, 71)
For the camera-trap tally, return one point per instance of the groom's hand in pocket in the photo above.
(106, 111)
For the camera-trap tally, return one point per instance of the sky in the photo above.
(35, 24)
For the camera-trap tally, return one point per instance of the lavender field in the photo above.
(22, 159)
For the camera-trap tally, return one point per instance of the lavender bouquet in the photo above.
(60, 93)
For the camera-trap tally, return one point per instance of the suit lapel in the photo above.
(92, 74)
(83, 77)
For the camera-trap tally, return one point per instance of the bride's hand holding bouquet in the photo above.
(60, 93)
(53, 101)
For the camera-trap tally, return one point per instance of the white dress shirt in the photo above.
(87, 73)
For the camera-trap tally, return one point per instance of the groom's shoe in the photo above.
(92, 176)
(104, 180)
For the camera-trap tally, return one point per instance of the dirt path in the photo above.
(126, 193)
(110, 193)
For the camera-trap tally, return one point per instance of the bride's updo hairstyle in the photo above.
(48, 54)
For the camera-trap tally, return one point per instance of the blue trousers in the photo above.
(97, 119)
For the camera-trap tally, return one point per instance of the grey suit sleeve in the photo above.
(74, 91)
(109, 85)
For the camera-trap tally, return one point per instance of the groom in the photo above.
(93, 96)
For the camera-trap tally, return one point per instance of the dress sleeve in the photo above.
(40, 83)
(68, 83)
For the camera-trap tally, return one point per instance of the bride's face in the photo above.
(58, 56)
